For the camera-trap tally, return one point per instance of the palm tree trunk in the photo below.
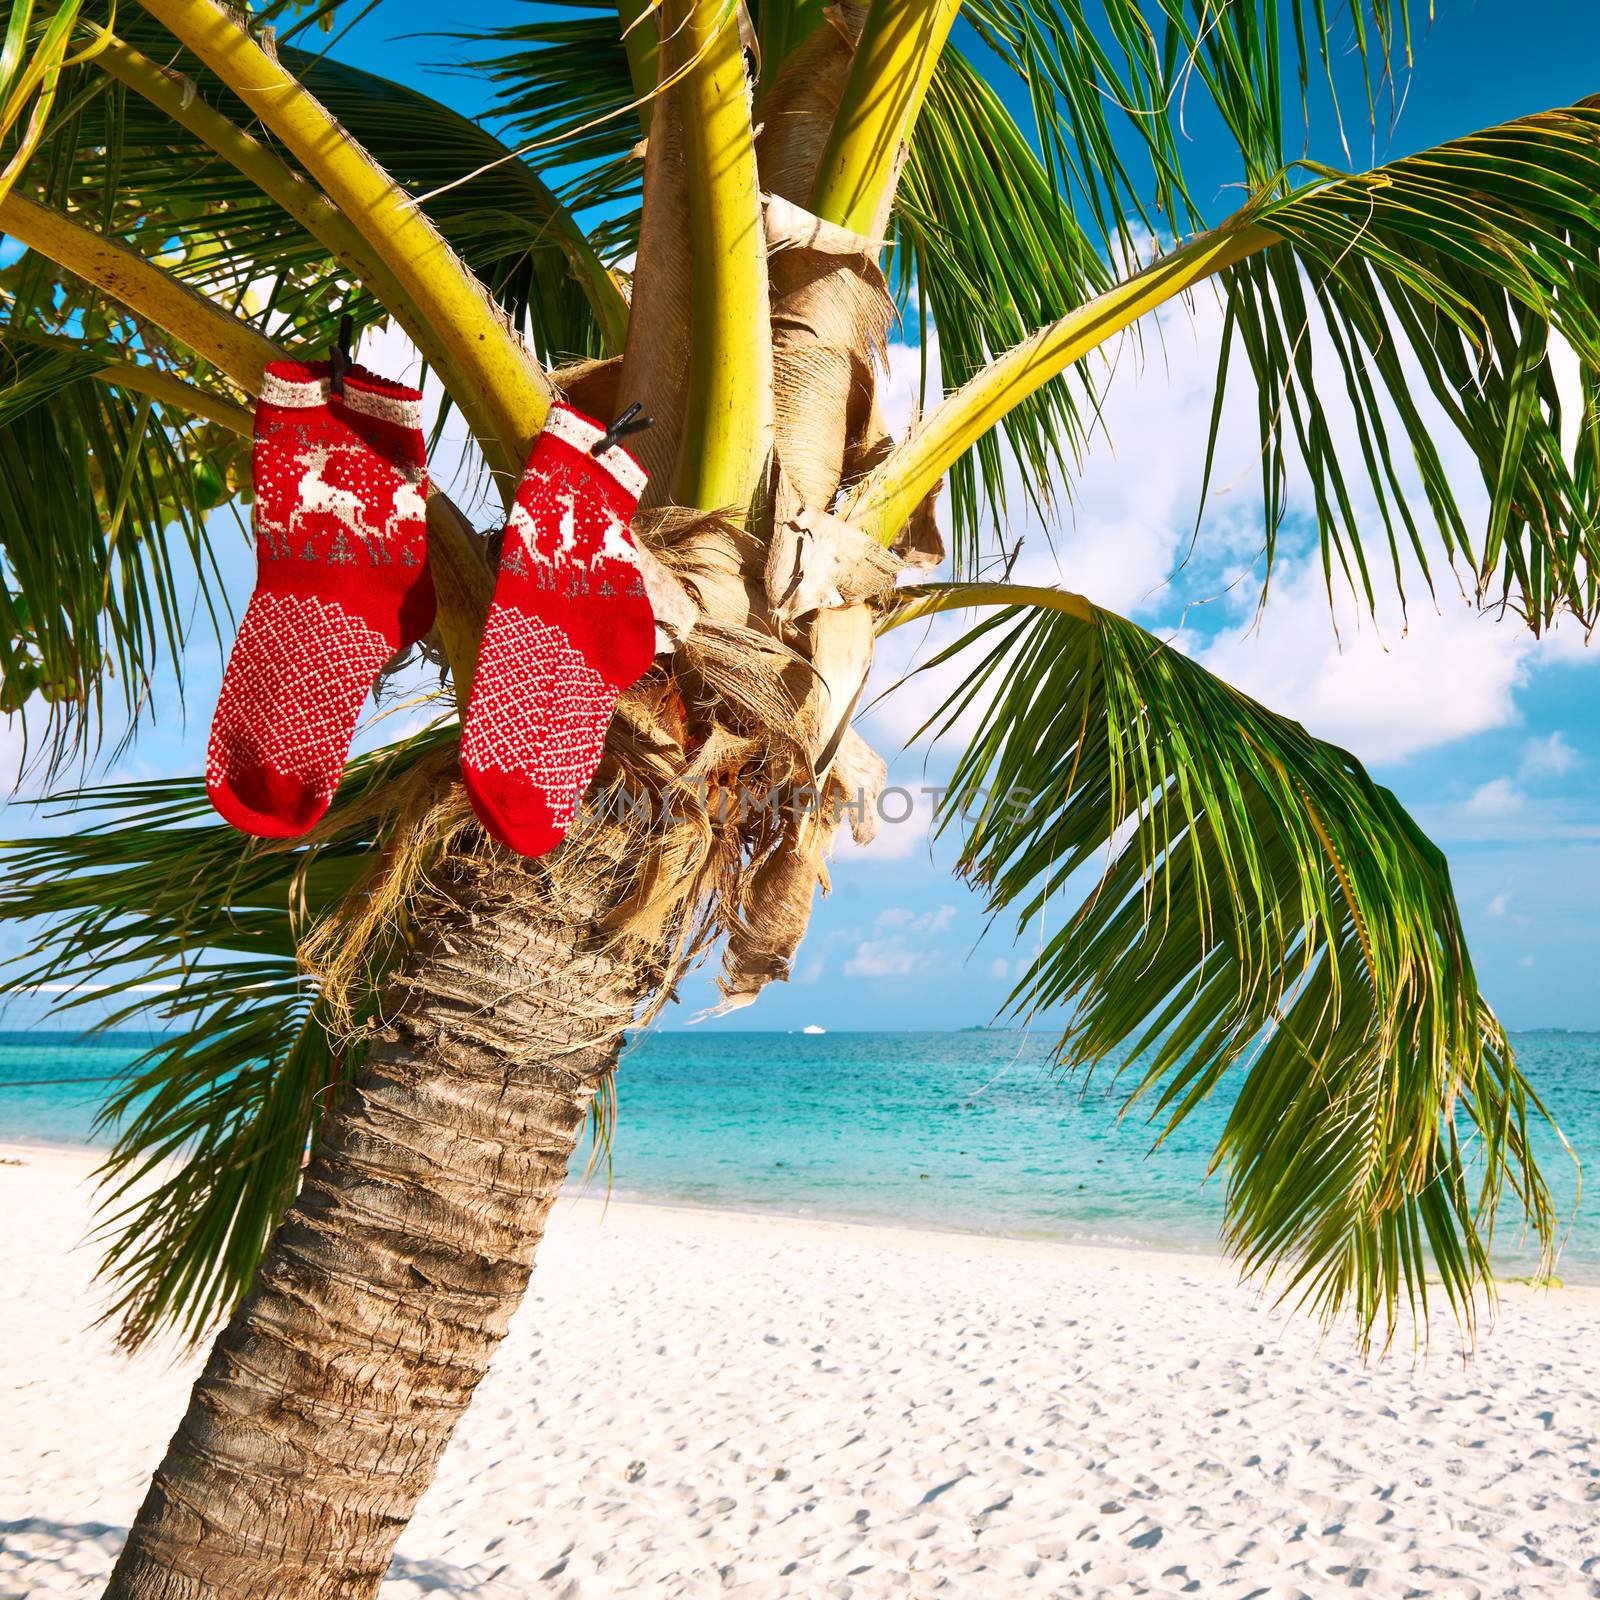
(328, 1400)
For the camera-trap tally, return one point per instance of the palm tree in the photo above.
(439, 1018)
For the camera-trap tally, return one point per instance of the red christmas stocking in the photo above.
(569, 630)
(342, 583)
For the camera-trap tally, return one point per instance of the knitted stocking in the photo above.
(342, 584)
(569, 630)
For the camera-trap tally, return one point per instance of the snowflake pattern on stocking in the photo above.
(555, 749)
(310, 732)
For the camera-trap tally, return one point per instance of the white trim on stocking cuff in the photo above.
(567, 425)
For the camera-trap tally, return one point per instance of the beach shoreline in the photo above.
(933, 1236)
(695, 1401)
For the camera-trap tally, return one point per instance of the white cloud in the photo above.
(905, 817)
(1507, 815)
(1499, 797)
(1550, 757)
(1525, 961)
(1130, 514)
(1132, 500)
(885, 958)
(927, 922)
(1384, 690)
(997, 967)
(1500, 904)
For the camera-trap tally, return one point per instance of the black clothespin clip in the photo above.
(339, 357)
(629, 422)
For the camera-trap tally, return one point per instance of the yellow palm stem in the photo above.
(882, 502)
(490, 374)
(930, 599)
(889, 76)
(727, 431)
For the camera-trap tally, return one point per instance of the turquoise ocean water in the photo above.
(968, 1131)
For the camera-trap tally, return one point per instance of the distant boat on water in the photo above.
(811, 1027)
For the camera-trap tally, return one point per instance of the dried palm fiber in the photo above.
(831, 313)
(423, 815)
(751, 684)
(774, 900)
(700, 866)
(716, 560)
(774, 906)
(816, 560)
(860, 774)
(796, 114)
(655, 359)
(675, 610)
(775, 911)
(592, 386)
(647, 735)
(463, 584)
(640, 784)
(841, 657)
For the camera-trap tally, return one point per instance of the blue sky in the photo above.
(1488, 737)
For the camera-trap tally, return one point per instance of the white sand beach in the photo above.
(696, 1403)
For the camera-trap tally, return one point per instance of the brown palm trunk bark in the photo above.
(328, 1400)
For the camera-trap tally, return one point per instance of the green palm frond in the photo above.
(1254, 909)
(36, 46)
(1428, 293)
(1118, 88)
(505, 222)
(565, 88)
(103, 554)
(987, 248)
(214, 1120)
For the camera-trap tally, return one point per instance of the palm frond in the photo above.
(1254, 908)
(1117, 86)
(514, 232)
(104, 556)
(565, 88)
(123, 168)
(1428, 293)
(33, 52)
(214, 1120)
(986, 248)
